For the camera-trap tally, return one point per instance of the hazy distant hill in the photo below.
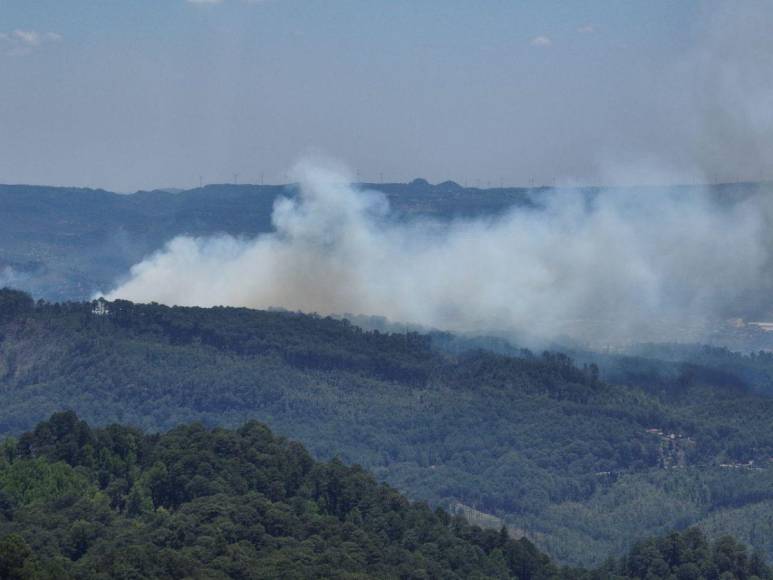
(583, 466)
(66, 243)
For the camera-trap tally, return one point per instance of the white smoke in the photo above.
(626, 259)
(10, 278)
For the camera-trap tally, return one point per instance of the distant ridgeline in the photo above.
(68, 243)
(77, 502)
(582, 466)
(63, 243)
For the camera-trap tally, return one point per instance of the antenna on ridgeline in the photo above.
(236, 179)
(261, 178)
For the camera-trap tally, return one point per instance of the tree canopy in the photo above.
(584, 458)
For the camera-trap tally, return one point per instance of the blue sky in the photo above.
(138, 94)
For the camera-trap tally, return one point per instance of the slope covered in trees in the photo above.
(77, 502)
(114, 503)
(584, 467)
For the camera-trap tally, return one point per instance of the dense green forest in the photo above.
(583, 466)
(655, 365)
(77, 502)
(114, 503)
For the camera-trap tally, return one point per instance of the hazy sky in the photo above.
(129, 94)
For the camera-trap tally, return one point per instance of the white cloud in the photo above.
(215, 2)
(27, 37)
(586, 29)
(541, 41)
(21, 42)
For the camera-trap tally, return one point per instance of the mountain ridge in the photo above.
(69, 243)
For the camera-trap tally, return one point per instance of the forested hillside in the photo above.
(77, 502)
(582, 466)
(114, 503)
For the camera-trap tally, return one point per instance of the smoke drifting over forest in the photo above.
(622, 264)
(630, 260)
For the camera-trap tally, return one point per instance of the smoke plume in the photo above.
(619, 263)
